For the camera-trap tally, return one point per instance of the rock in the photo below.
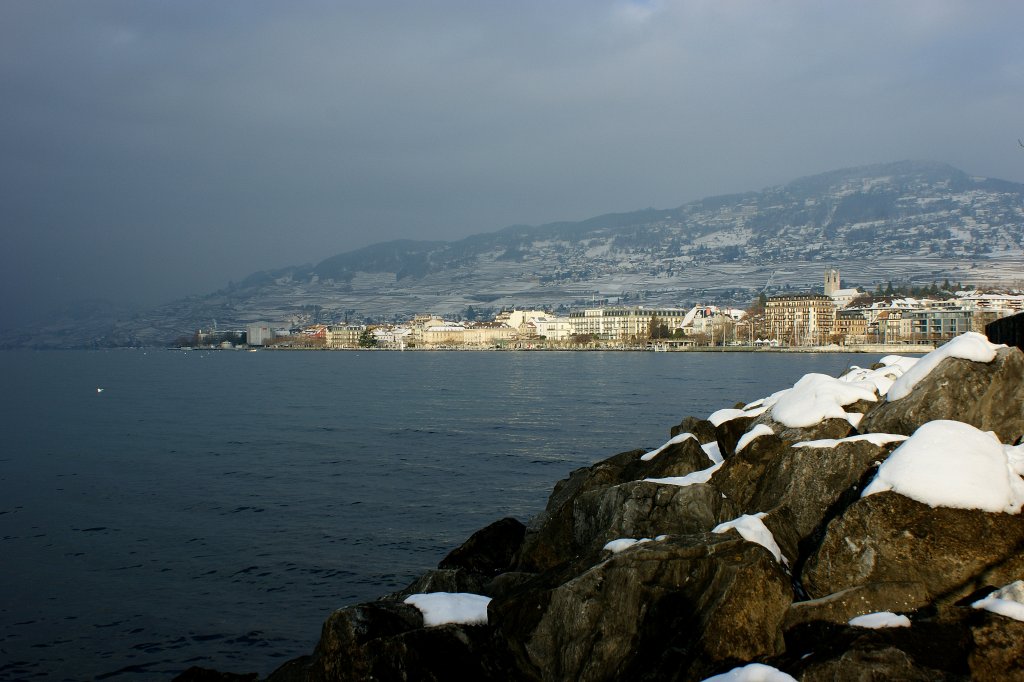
(549, 536)
(702, 429)
(811, 484)
(839, 608)
(986, 395)
(869, 663)
(197, 674)
(998, 651)
(488, 551)
(890, 538)
(672, 609)
(645, 510)
(828, 428)
(928, 650)
(387, 641)
(728, 434)
(443, 580)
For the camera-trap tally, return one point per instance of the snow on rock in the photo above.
(970, 346)
(882, 379)
(441, 608)
(677, 439)
(714, 452)
(719, 417)
(702, 476)
(952, 464)
(878, 439)
(882, 619)
(1006, 601)
(1015, 455)
(755, 672)
(817, 397)
(754, 409)
(756, 432)
(622, 544)
(752, 529)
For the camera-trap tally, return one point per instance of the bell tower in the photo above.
(831, 281)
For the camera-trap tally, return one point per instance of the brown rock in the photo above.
(988, 396)
(673, 609)
(890, 538)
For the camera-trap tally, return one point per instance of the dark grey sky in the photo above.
(150, 150)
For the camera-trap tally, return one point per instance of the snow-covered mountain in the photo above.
(913, 222)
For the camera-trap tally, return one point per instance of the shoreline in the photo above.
(891, 349)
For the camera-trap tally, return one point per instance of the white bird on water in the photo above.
(99, 390)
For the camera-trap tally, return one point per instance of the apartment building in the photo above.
(623, 323)
(801, 319)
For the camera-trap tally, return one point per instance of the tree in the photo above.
(367, 339)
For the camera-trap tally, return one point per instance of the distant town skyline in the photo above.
(150, 151)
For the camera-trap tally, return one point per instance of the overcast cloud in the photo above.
(151, 150)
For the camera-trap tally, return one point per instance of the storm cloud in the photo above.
(151, 150)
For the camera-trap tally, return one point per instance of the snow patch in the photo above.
(754, 433)
(677, 439)
(441, 608)
(719, 417)
(714, 453)
(752, 529)
(1015, 455)
(878, 439)
(702, 476)
(1006, 601)
(817, 397)
(952, 464)
(754, 672)
(882, 619)
(970, 346)
(622, 544)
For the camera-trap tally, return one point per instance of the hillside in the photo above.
(913, 222)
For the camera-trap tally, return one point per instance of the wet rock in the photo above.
(988, 396)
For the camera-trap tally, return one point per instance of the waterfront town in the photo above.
(834, 318)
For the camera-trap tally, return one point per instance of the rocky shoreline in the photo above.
(854, 528)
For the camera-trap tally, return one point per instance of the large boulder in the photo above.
(987, 395)
(387, 641)
(998, 651)
(887, 537)
(549, 535)
(679, 608)
(839, 608)
(642, 509)
(811, 483)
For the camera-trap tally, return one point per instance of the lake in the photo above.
(212, 508)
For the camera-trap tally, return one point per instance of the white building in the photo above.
(259, 334)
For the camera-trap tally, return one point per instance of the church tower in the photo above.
(831, 281)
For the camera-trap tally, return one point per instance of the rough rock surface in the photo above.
(660, 610)
(686, 603)
(890, 538)
(989, 396)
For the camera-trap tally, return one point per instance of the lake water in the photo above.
(213, 508)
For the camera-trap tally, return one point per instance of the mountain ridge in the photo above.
(912, 221)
